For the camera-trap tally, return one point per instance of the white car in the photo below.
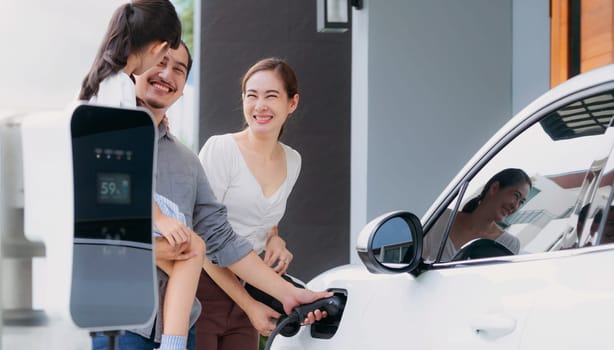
(555, 292)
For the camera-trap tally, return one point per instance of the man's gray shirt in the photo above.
(180, 177)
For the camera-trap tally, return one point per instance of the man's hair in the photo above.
(187, 50)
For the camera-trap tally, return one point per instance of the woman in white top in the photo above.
(252, 209)
(252, 173)
(502, 195)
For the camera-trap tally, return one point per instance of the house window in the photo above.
(581, 37)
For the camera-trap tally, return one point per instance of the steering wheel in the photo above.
(481, 248)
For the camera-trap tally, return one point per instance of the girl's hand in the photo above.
(173, 230)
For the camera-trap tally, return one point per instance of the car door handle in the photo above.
(493, 325)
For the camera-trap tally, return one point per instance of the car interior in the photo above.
(568, 156)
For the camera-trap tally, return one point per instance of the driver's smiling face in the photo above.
(507, 200)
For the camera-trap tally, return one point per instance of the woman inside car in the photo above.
(502, 195)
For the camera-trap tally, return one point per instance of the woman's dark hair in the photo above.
(279, 66)
(505, 178)
(132, 27)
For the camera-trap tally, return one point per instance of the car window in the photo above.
(567, 156)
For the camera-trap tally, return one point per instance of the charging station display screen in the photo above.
(113, 188)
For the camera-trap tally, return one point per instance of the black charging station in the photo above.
(113, 283)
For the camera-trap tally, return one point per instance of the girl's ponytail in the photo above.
(112, 55)
(470, 206)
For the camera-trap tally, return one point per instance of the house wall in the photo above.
(439, 78)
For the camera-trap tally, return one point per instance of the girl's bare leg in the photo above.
(181, 288)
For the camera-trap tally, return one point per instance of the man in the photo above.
(181, 178)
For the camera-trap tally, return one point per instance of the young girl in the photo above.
(252, 173)
(140, 33)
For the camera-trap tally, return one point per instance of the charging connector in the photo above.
(291, 324)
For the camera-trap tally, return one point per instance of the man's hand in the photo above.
(165, 251)
(299, 296)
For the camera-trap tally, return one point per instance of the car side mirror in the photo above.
(391, 243)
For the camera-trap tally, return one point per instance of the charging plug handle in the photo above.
(331, 305)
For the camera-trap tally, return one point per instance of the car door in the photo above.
(557, 292)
